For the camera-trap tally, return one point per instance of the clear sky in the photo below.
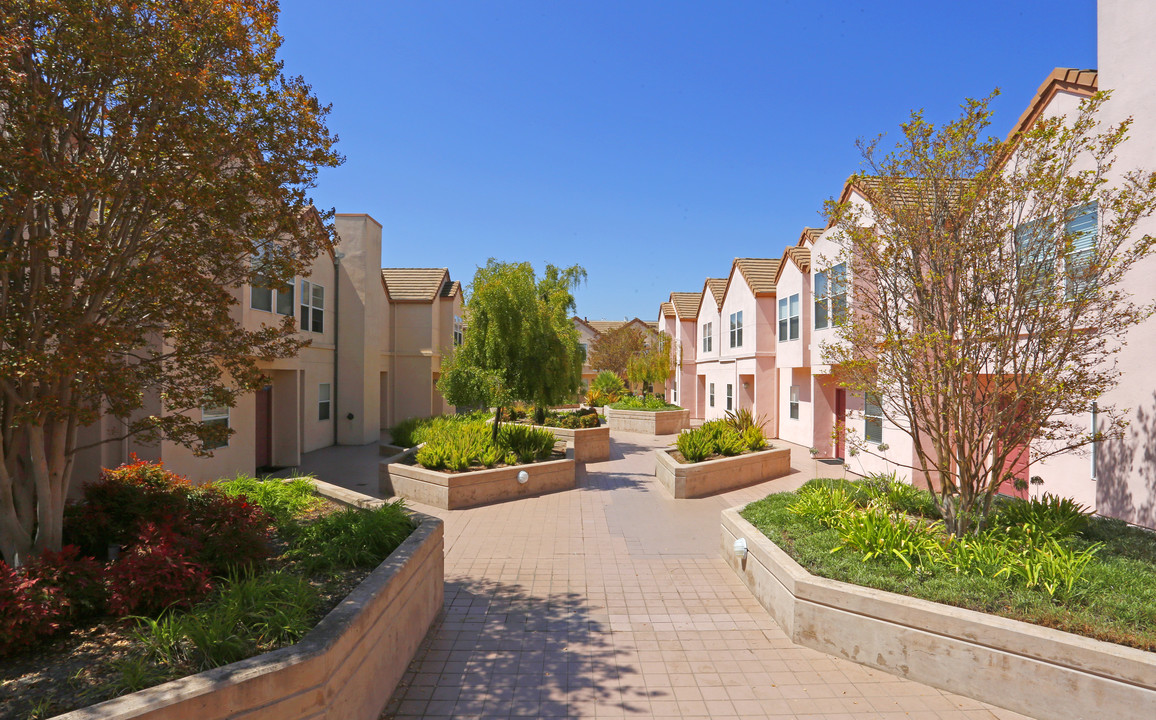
(650, 142)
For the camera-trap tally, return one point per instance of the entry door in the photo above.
(840, 422)
(265, 427)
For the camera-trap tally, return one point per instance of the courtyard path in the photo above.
(611, 601)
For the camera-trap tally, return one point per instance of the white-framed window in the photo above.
(831, 297)
(794, 402)
(789, 318)
(459, 334)
(872, 418)
(710, 395)
(324, 401)
(707, 339)
(674, 391)
(1035, 261)
(312, 307)
(264, 297)
(737, 329)
(730, 397)
(1081, 228)
(213, 416)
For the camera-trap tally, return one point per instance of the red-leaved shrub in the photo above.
(230, 531)
(79, 580)
(29, 610)
(156, 573)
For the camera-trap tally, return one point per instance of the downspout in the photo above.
(337, 256)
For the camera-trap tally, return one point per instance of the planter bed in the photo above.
(648, 422)
(452, 491)
(589, 444)
(1030, 669)
(347, 666)
(693, 480)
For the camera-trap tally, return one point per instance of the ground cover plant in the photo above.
(571, 420)
(1044, 561)
(163, 578)
(652, 403)
(458, 443)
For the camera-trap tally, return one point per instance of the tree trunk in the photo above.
(497, 420)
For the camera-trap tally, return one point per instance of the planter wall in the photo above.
(452, 491)
(347, 667)
(1032, 670)
(589, 444)
(714, 476)
(662, 422)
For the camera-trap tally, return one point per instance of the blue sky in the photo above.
(649, 142)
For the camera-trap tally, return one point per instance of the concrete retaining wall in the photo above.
(452, 491)
(1033, 670)
(661, 422)
(589, 444)
(347, 667)
(714, 476)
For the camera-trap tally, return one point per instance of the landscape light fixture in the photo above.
(741, 548)
(523, 477)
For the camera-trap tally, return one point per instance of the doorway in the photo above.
(264, 439)
(840, 423)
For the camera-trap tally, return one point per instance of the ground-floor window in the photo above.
(730, 397)
(872, 418)
(217, 416)
(710, 396)
(324, 401)
(794, 402)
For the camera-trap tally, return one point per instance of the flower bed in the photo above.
(581, 430)
(273, 588)
(649, 422)
(692, 480)
(456, 490)
(1034, 670)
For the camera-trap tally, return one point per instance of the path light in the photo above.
(741, 548)
(523, 477)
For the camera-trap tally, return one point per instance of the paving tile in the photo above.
(610, 601)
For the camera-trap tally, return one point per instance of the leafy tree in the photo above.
(520, 344)
(653, 364)
(613, 349)
(985, 309)
(150, 150)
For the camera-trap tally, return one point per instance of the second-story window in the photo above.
(1081, 227)
(582, 349)
(312, 307)
(789, 318)
(831, 297)
(263, 296)
(737, 329)
(707, 330)
(459, 334)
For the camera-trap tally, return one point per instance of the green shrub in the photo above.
(283, 499)
(650, 402)
(900, 496)
(753, 438)
(584, 418)
(527, 444)
(875, 533)
(352, 538)
(743, 419)
(1049, 515)
(608, 386)
(694, 445)
(824, 504)
(1051, 565)
(984, 555)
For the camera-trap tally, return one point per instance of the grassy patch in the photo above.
(652, 403)
(1114, 600)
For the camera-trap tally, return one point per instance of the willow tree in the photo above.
(150, 152)
(654, 363)
(987, 295)
(520, 343)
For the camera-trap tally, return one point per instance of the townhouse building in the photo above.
(679, 319)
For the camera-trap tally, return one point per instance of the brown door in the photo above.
(265, 427)
(840, 422)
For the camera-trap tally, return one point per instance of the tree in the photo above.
(520, 344)
(986, 298)
(150, 151)
(653, 363)
(613, 349)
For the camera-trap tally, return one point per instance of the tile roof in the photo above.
(666, 309)
(759, 273)
(809, 235)
(414, 284)
(686, 304)
(451, 288)
(602, 326)
(1080, 82)
(718, 288)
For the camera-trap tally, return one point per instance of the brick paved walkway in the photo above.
(610, 601)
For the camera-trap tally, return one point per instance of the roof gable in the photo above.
(415, 284)
(800, 257)
(686, 304)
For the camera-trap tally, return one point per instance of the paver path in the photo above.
(611, 601)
